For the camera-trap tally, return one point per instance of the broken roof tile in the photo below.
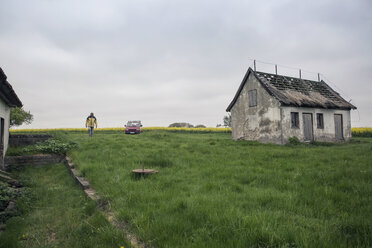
(290, 91)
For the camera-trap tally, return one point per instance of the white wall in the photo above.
(5, 113)
(325, 134)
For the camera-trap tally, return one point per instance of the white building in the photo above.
(271, 108)
(8, 99)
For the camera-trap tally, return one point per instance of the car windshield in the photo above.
(133, 124)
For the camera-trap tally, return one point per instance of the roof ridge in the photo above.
(273, 74)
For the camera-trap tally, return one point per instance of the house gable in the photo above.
(241, 86)
(255, 114)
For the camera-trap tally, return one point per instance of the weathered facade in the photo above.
(271, 108)
(8, 99)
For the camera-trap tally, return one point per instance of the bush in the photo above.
(361, 132)
(51, 146)
(6, 194)
(294, 141)
(181, 124)
(200, 126)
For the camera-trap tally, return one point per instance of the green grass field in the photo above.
(54, 212)
(212, 191)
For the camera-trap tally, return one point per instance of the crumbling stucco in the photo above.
(261, 122)
(270, 120)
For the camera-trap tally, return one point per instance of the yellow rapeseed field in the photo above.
(208, 129)
(356, 131)
(361, 131)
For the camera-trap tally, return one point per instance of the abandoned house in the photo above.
(271, 108)
(8, 99)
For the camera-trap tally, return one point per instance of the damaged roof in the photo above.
(7, 93)
(297, 92)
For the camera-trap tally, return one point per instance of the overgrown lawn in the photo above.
(212, 191)
(56, 213)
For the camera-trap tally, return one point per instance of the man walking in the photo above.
(90, 123)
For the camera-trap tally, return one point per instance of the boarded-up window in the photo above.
(295, 120)
(319, 121)
(252, 98)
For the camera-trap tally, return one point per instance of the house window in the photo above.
(252, 98)
(295, 120)
(319, 121)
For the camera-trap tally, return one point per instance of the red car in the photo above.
(133, 127)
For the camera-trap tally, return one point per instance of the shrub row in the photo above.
(361, 131)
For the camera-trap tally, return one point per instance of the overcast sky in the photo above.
(172, 61)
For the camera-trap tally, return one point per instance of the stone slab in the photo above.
(32, 160)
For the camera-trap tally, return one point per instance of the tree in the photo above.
(181, 124)
(18, 116)
(227, 120)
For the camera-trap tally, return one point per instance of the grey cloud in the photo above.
(167, 61)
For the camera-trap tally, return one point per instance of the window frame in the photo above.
(252, 98)
(295, 120)
(319, 120)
